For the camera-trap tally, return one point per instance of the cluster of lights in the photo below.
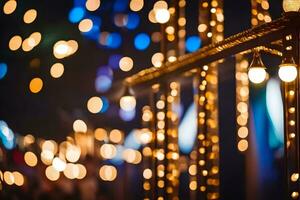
(62, 49)
(159, 13)
(27, 44)
(242, 102)
(11, 178)
(260, 12)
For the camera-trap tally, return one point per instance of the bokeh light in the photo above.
(108, 173)
(3, 70)
(59, 164)
(142, 41)
(126, 64)
(79, 126)
(9, 7)
(193, 43)
(92, 5)
(127, 115)
(9, 178)
(108, 151)
(136, 5)
(73, 153)
(157, 59)
(133, 20)
(103, 83)
(18, 178)
(82, 171)
(114, 40)
(30, 16)
(36, 85)
(76, 14)
(116, 136)
(30, 159)
(57, 70)
(71, 171)
(114, 60)
(85, 25)
(15, 43)
(51, 173)
(101, 134)
(94, 105)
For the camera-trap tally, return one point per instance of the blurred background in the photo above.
(62, 64)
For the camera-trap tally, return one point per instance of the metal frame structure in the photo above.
(273, 38)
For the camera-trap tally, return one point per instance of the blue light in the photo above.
(103, 83)
(76, 14)
(131, 141)
(79, 3)
(114, 60)
(114, 40)
(188, 130)
(193, 43)
(142, 41)
(275, 112)
(3, 70)
(105, 105)
(120, 5)
(118, 159)
(105, 71)
(133, 20)
(127, 115)
(6, 135)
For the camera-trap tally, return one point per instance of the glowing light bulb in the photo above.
(128, 103)
(287, 72)
(257, 75)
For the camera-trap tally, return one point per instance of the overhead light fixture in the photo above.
(127, 101)
(288, 69)
(257, 71)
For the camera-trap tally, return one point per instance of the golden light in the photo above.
(73, 153)
(127, 103)
(59, 164)
(132, 156)
(18, 178)
(30, 16)
(94, 105)
(162, 16)
(160, 5)
(28, 44)
(71, 171)
(51, 173)
(57, 70)
(116, 136)
(288, 72)
(82, 171)
(15, 43)
(85, 25)
(36, 85)
(243, 145)
(9, 7)
(49, 145)
(47, 157)
(100, 134)
(136, 5)
(79, 126)
(147, 174)
(9, 178)
(35, 38)
(92, 5)
(61, 49)
(157, 59)
(145, 136)
(30, 159)
(28, 140)
(151, 16)
(126, 64)
(108, 151)
(73, 46)
(108, 173)
(291, 5)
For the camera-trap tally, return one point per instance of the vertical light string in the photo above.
(172, 119)
(160, 162)
(242, 101)
(181, 27)
(291, 110)
(146, 137)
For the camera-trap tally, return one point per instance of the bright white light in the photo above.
(287, 73)
(128, 103)
(59, 164)
(162, 15)
(257, 74)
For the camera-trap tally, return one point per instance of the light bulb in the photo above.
(128, 103)
(287, 72)
(162, 15)
(291, 5)
(257, 74)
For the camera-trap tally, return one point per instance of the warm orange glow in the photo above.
(30, 159)
(85, 25)
(9, 7)
(108, 173)
(15, 43)
(94, 105)
(57, 70)
(30, 16)
(52, 174)
(92, 5)
(36, 85)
